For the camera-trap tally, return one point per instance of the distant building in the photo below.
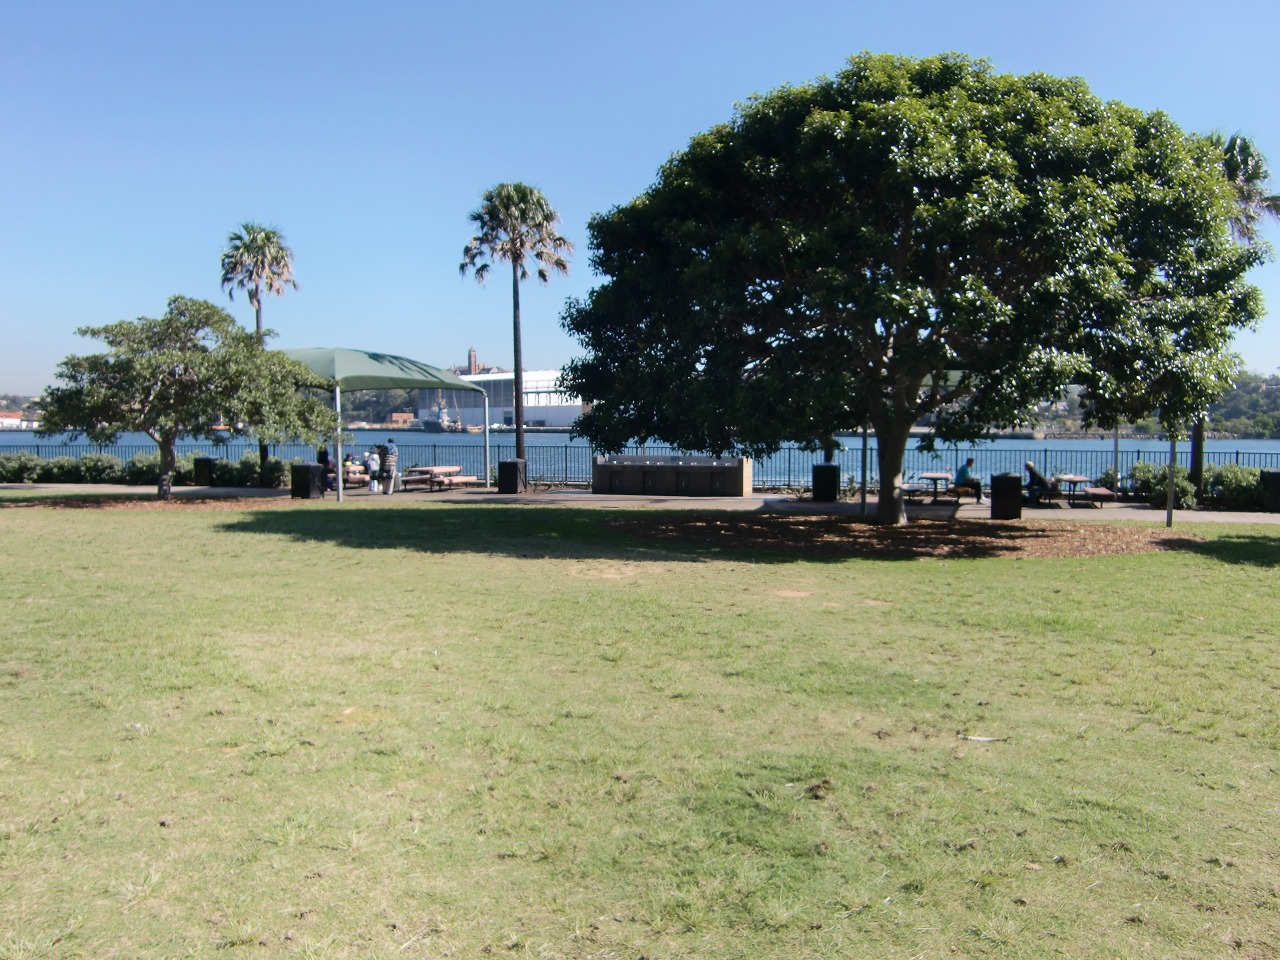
(17, 420)
(544, 404)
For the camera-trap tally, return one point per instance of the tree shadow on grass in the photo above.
(1248, 549)
(691, 535)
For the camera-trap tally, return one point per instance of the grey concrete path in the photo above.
(579, 497)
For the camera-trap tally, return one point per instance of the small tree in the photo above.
(516, 224)
(193, 372)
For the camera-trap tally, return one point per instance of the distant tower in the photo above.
(473, 365)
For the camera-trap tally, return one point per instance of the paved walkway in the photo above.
(578, 497)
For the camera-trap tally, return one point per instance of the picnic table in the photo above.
(1080, 491)
(939, 482)
(1071, 483)
(436, 478)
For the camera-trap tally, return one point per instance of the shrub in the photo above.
(144, 468)
(224, 473)
(1233, 487)
(60, 470)
(184, 470)
(1142, 480)
(100, 468)
(244, 472)
(247, 471)
(20, 467)
(1150, 484)
(276, 474)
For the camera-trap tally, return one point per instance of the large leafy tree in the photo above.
(193, 372)
(910, 237)
(257, 261)
(516, 224)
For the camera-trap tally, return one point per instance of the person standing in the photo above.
(328, 476)
(389, 462)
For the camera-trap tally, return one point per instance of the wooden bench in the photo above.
(1096, 496)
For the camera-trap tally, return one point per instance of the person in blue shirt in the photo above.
(965, 480)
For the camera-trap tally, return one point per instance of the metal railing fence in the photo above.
(789, 467)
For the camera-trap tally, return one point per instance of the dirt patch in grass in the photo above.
(844, 537)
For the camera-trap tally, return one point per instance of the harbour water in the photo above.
(558, 457)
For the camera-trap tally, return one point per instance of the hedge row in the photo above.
(1226, 487)
(143, 469)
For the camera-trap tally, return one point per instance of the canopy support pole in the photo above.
(1115, 460)
(863, 484)
(337, 409)
(485, 394)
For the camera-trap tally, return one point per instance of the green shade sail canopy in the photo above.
(366, 370)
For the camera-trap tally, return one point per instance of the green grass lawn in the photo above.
(414, 729)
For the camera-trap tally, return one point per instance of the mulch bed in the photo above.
(841, 537)
(144, 502)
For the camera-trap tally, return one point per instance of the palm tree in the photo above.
(515, 223)
(1247, 171)
(256, 258)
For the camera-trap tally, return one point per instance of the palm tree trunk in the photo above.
(263, 451)
(518, 385)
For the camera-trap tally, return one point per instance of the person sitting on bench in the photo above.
(965, 480)
(1039, 488)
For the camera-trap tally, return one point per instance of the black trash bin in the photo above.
(511, 476)
(203, 471)
(1270, 480)
(826, 482)
(1006, 496)
(306, 480)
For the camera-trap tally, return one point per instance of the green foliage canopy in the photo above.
(193, 372)
(906, 238)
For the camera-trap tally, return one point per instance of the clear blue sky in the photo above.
(137, 135)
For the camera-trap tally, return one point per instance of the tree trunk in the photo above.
(518, 385)
(168, 465)
(891, 449)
